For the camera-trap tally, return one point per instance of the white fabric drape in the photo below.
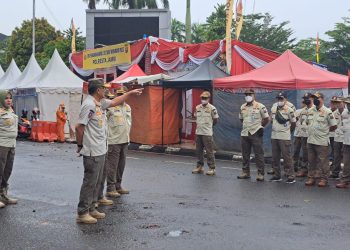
(252, 60)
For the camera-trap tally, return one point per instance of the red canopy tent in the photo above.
(134, 71)
(286, 72)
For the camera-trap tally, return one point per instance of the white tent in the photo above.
(12, 73)
(1, 72)
(26, 98)
(31, 71)
(57, 84)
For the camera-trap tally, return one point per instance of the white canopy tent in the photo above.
(12, 73)
(56, 84)
(26, 99)
(31, 71)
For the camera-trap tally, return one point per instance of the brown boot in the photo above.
(123, 191)
(301, 174)
(2, 205)
(243, 176)
(310, 182)
(198, 170)
(342, 185)
(86, 219)
(97, 215)
(113, 194)
(105, 202)
(323, 183)
(210, 172)
(4, 198)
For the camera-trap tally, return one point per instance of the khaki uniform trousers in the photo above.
(338, 157)
(346, 170)
(300, 144)
(254, 142)
(318, 161)
(284, 148)
(7, 156)
(205, 142)
(93, 173)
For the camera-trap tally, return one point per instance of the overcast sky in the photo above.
(307, 17)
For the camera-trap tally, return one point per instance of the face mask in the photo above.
(307, 102)
(280, 104)
(204, 102)
(317, 102)
(248, 98)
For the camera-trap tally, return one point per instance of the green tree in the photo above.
(198, 33)
(3, 48)
(63, 46)
(20, 43)
(216, 24)
(92, 3)
(257, 29)
(339, 46)
(177, 30)
(136, 4)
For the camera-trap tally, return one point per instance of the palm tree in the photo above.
(177, 30)
(188, 21)
(91, 3)
(137, 4)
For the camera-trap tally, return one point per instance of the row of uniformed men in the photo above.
(312, 125)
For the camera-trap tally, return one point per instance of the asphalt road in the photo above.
(218, 212)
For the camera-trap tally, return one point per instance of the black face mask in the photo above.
(317, 102)
(307, 102)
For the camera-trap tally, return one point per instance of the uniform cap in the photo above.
(249, 91)
(110, 95)
(307, 95)
(281, 95)
(336, 99)
(318, 95)
(122, 90)
(347, 100)
(205, 94)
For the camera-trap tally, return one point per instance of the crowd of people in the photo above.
(301, 138)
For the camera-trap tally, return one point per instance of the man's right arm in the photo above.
(79, 132)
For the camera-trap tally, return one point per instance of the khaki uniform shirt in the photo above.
(346, 126)
(282, 131)
(252, 116)
(301, 125)
(289, 104)
(119, 124)
(338, 134)
(204, 119)
(319, 123)
(8, 128)
(93, 116)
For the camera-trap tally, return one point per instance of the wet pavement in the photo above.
(168, 207)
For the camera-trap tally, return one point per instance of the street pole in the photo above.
(33, 50)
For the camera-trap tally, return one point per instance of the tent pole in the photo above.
(163, 91)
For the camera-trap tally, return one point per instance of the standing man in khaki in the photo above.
(300, 137)
(320, 122)
(91, 134)
(119, 125)
(254, 117)
(206, 117)
(338, 137)
(8, 135)
(345, 177)
(283, 123)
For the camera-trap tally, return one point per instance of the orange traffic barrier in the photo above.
(46, 131)
(53, 131)
(34, 130)
(40, 132)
